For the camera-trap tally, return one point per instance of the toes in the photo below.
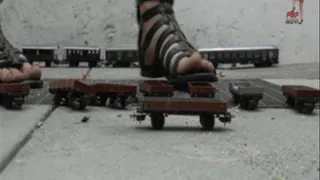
(205, 64)
(31, 71)
(195, 62)
(11, 75)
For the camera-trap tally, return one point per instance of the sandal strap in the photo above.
(138, 2)
(172, 29)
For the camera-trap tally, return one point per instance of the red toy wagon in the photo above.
(71, 92)
(112, 92)
(12, 94)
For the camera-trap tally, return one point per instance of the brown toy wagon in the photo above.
(70, 92)
(201, 89)
(302, 98)
(156, 88)
(112, 92)
(12, 94)
(206, 108)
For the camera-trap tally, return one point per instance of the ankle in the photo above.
(147, 5)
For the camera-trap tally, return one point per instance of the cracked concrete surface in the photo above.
(214, 23)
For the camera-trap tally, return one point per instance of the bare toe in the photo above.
(16, 74)
(205, 64)
(31, 71)
(11, 75)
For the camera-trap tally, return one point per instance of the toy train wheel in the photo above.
(157, 121)
(83, 103)
(57, 99)
(244, 104)
(123, 102)
(305, 108)
(77, 101)
(8, 102)
(11, 102)
(93, 64)
(236, 99)
(48, 63)
(112, 100)
(207, 121)
(248, 104)
(290, 101)
(103, 100)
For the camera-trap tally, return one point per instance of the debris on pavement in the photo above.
(85, 119)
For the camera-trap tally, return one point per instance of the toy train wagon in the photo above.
(260, 56)
(121, 57)
(302, 98)
(40, 54)
(246, 95)
(12, 94)
(77, 54)
(70, 92)
(160, 107)
(113, 92)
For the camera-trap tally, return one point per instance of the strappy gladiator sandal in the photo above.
(11, 57)
(164, 50)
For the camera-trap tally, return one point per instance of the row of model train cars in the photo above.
(262, 56)
(158, 100)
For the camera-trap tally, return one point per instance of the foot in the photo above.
(14, 66)
(176, 54)
(301, 21)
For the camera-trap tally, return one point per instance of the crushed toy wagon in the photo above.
(12, 95)
(103, 92)
(302, 98)
(71, 92)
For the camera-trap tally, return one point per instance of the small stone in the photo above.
(273, 118)
(85, 119)
(119, 115)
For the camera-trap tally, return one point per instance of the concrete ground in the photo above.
(265, 144)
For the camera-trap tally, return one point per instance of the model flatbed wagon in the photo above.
(156, 88)
(302, 98)
(70, 92)
(159, 107)
(201, 89)
(113, 92)
(12, 94)
(245, 94)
